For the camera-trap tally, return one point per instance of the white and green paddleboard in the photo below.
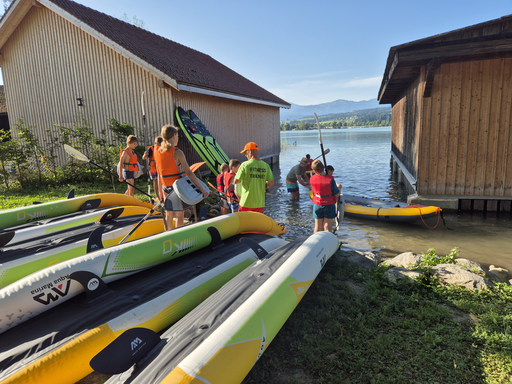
(51, 286)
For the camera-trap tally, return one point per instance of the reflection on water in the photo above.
(361, 159)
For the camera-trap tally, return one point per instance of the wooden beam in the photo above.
(463, 49)
(162, 84)
(429, 77)
(36, 4)
(387, 76)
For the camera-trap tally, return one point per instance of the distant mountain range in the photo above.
(338, 106)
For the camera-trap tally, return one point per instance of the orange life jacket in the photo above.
(132, 165)
(167, 167)
(151, 158)
(322, 193)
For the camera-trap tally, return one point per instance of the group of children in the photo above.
(226, 187)
(168, 163)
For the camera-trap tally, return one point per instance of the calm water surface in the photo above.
(361, 158)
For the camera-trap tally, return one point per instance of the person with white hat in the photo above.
(297, 175)
(253, 178)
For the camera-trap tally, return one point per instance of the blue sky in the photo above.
(306, 52)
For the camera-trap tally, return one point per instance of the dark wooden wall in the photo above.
(458, 141)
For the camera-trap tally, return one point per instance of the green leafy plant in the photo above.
(431, 259)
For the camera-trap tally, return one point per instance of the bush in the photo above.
(37, 161)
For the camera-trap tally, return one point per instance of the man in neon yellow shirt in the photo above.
(253, 178)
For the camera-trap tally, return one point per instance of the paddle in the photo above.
(76, 154)
(320, 138)
(156, 206)
(325, 153)
(146, 141)
(221, 194)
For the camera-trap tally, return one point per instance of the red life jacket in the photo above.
(308, 168)
(167, 167)
(220, 182)
(132, 165)
(321, 186)
(227, 180)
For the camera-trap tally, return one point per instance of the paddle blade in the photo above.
(126, 350)
(74, 153)
(194, 167)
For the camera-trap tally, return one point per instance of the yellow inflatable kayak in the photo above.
(22, 215)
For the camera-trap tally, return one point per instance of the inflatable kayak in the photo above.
(378, 209)
(17, 216)
(202, 140)
(22, 259)
(56, 347)
(30, 231)
(51, 286)
(221, 339)
(383, 210)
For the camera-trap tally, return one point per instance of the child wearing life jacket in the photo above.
(153, 173)
(229, 187)
(325, 195)
(128, 164)
(224, 168)
(171, 165)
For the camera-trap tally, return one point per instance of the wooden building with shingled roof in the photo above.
(55, 52)
(451, 97)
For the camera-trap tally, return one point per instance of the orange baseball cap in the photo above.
(250, 146)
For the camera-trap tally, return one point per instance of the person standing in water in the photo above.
(254, 177)
(295, 177)
(128, 164)
(325, 194)
(171, 165)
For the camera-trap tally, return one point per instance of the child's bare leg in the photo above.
(318, 225)
(169, 216)
(130, 191)
(180, 215)
(328, 225)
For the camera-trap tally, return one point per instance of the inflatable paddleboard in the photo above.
(17, 216)
(51, 286)
(36, 229)
(56, 347)
(221, 339)
(202, 140)
(22, 259)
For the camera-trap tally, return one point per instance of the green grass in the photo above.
(17, 197)
(353, 326)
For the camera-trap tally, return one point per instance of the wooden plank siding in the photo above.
(57, 62)
(406, 123)
(465, 136)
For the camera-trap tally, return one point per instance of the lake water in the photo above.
(361, 158)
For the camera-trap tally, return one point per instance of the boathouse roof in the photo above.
(488, 40)
(179, 66)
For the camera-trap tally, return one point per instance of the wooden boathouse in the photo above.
(451, 97)
(63, 62)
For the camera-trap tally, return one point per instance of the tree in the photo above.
(134, 20)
